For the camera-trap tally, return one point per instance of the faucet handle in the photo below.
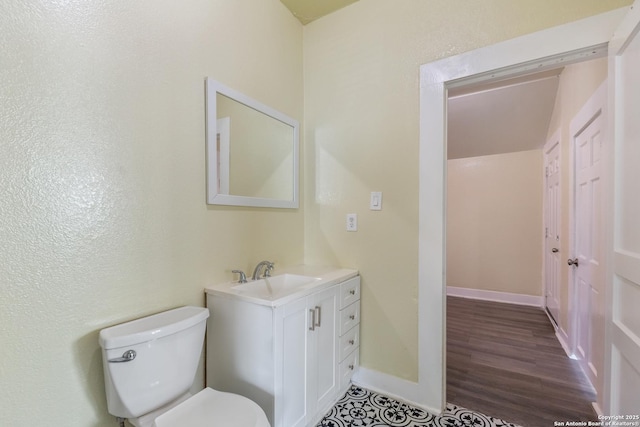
(269, 269)
(243, 277)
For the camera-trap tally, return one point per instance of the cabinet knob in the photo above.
(351, 342)
(352, 317)
(351, 367)
(352, 291)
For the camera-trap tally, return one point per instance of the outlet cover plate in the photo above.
(352, 222)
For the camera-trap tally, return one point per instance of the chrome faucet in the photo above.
(258, 270)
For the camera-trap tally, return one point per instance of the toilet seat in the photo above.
(210, 408)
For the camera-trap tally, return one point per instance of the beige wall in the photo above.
(102, 179)
(494, 223)
(361, 119)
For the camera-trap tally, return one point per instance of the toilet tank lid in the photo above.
(152, 327)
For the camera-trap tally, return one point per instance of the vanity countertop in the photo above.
(314, 278)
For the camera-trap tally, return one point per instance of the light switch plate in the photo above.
(375, 203)
(352, 222)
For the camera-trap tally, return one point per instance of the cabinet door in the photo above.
(323, 350)
(291, 368)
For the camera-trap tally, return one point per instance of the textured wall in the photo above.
(102, 179)
(361, 108)
(494, 223)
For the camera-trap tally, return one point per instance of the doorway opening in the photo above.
(506, 188)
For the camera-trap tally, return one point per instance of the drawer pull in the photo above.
(352, 317)
(313, 319)
(352, 291)
(351, 342)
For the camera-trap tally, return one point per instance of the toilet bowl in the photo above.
(150, 365)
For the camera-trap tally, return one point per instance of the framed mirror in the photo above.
(252, 151)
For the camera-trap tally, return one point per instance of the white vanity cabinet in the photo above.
(287, 358)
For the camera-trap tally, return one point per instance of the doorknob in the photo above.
(572, 262)
(554, 250)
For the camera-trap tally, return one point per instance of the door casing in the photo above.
(569, 43)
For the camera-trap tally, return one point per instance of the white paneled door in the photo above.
(624, 316)
(588, 249)
(552, 225)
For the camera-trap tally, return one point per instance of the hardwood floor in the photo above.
(504, 360)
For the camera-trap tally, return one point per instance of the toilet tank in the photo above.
(167, 350)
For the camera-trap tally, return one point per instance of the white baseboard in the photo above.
(563, 338)
(507, 297)
(394, 387)
(596, 408)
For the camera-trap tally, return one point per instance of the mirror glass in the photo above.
(252, 152)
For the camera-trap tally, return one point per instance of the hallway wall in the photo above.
(494, 223)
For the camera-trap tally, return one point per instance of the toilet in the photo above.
(149, 367)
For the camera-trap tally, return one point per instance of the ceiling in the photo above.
(309, 10)
(503, 117)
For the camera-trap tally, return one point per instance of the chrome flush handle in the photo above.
(127, 356)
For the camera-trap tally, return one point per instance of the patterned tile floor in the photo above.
(362, 408)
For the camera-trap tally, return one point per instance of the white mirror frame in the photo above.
(214, 87)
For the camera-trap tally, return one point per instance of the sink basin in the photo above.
(274, 287)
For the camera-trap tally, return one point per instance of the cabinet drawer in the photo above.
(347, 367)
(349, 292)
(349, 342)
(349, 317)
